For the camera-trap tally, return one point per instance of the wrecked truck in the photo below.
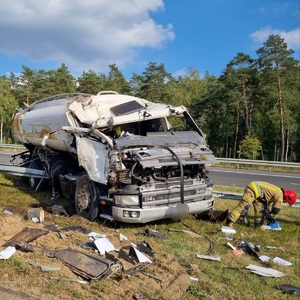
(116, 157)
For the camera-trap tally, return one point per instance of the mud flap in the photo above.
(86, 265)
(178, 211)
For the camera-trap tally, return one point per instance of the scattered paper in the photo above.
(104, 245)
(267, 272)
(228, 230)
(216, 258)
(280, 261)
(7, 253)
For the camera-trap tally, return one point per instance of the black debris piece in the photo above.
(151, 232)
(288, 288)
(212, 215)
(144, 247)
(249, 248)
(59, 210)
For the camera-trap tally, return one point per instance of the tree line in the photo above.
(252, 110)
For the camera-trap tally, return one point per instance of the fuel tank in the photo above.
(43, 121)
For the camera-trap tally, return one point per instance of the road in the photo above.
(229, 177)
(239, 178)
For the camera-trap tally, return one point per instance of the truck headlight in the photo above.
(127, 200)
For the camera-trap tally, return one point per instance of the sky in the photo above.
(92, 34)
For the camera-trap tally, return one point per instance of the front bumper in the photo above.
(174, 211)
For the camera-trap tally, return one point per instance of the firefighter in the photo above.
(261, 194)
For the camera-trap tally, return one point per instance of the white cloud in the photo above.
(86, 34)
(292, 38)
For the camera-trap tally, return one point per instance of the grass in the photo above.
(175, 256)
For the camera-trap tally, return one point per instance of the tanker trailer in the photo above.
(117, 157)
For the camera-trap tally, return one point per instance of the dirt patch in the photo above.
(165, 279)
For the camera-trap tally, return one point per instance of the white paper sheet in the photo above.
(7, 253)
(104, 245)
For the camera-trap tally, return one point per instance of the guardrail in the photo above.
(266, 163)
(12, 147)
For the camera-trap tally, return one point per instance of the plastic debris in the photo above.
(228, 230)
(267, 272)
(272, 226)
(7, 253)
(276, 260)
(208, 257)
(37, 215)
(104, 245)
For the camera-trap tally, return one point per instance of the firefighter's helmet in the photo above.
(289, 197)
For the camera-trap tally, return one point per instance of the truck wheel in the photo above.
(86, 199)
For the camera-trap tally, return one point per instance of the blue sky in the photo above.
(91, 34)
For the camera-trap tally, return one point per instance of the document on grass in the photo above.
(104, 245)
(7, 253)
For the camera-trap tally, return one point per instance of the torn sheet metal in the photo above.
(26, 235)
(139, 255)
(86, 265)
(132, 254)
(266, 272)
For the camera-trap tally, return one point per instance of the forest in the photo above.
(252, 110)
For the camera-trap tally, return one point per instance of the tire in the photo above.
(36, 183)
(86, 199)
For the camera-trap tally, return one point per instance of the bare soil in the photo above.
(163, 279)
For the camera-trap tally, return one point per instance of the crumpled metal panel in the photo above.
(93, 157)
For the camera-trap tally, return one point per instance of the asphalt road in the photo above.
(228, 177)
(239, 178)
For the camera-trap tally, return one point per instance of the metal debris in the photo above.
(86, 265)
(26, 235)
